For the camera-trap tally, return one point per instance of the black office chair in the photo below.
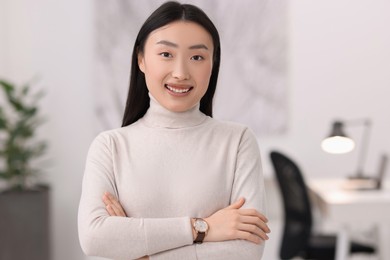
(298, 239)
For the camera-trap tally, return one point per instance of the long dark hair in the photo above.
(138, 99)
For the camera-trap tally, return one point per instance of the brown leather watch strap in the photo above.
(199, 238)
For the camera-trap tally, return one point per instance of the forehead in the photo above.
(183, 33)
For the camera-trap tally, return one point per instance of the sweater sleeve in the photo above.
(248, 183)
(119, 237)
(226, 250)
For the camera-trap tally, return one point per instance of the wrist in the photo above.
(200, 228)
(193, 229)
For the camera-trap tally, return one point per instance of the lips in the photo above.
(178, 89)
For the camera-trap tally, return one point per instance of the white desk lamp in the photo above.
(338, 142)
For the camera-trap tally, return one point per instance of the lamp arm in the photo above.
(364, 148)
(358, 122)
(338, 131)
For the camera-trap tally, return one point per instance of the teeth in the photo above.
(178, 90)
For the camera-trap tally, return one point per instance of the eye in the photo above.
(165, 55)
(197, 58)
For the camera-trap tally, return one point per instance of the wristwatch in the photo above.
(201, 227)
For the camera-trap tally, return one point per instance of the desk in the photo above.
(342, 206)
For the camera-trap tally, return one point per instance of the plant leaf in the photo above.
(18, 146)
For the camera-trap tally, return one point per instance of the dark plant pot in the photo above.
(24, 224)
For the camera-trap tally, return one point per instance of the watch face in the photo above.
(200, 225)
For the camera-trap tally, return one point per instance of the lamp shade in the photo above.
(337, 142)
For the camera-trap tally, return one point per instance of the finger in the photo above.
(105, 199)
(116, 205)
(255, 230)
(249, 237)
(238, 204)
(118, 211)
(255, 221)
(110, 210)
(253, 212)
(108, 198)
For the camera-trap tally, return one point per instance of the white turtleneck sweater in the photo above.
(164, 169)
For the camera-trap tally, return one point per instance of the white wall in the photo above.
(339, 68)
(53, 40)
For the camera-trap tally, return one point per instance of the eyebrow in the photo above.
(174, 45)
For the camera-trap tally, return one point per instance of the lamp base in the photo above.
(360, 177)
(361, 182)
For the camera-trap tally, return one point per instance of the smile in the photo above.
(178, 90)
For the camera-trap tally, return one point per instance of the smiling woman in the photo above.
(252, 81)
(182, 65)
(172, 179)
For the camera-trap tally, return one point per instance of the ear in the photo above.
(141, 62)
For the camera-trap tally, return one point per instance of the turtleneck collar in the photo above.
(159, 116)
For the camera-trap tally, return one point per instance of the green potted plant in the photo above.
(24, 203)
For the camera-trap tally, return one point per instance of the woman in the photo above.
(176, 183)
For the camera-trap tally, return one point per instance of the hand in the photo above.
(233, 222)
(113, 207)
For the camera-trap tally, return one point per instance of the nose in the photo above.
(180, 70)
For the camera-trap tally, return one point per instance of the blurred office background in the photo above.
(338, 63)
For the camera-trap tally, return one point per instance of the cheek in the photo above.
(154, 71)
(203, 76)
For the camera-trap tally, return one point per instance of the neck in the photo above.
(159, 116)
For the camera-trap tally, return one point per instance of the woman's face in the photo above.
(177, 63)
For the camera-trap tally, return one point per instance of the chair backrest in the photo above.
(296, 203)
